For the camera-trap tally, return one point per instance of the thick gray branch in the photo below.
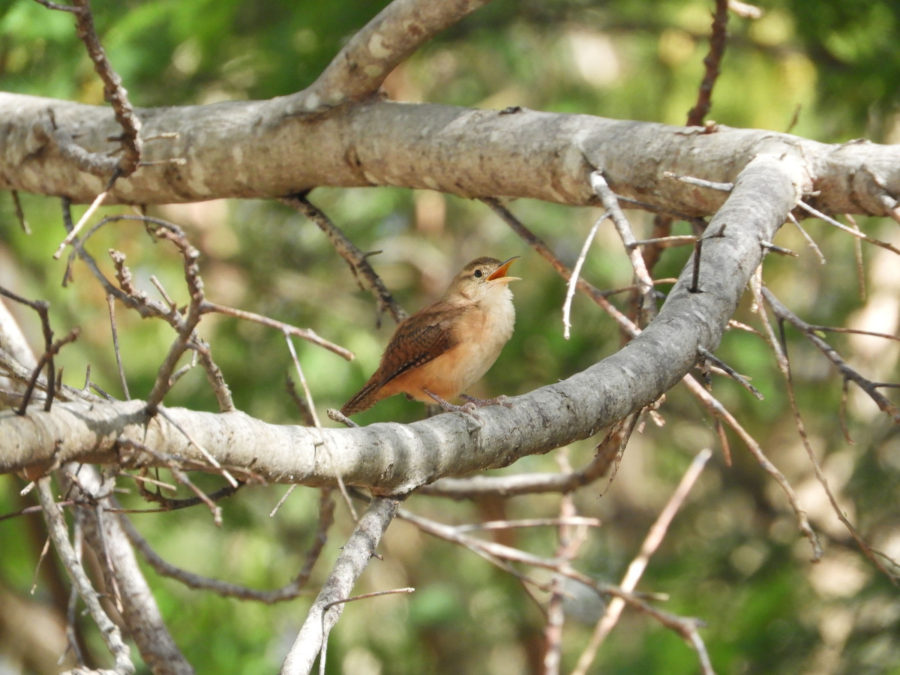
(394, 458)
(257, 149)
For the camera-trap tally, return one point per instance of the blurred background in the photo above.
(824, 69)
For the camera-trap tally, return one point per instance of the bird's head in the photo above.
(481, 277)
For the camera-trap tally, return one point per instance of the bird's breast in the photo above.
(484, 331)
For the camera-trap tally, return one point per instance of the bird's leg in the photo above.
(467, 408)
(502, 399)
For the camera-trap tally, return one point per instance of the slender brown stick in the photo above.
(711, 62)
(655, 535)
(849, 230)
(356, 259)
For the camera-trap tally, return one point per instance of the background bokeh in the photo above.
(826, 70)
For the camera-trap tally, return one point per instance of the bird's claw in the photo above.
(502, 399)
(467, 408)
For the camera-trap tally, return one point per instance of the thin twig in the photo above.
(70, 237)
(779, 347)
(731, 372)
(849, 230)
(809, 240)
(20, 212)
(654, 538)
(358, 261)
(711, 63)
(310, 405)
(701, 182)
(111, 305)
(225, 589)
(858, 255)
(302, 333)
(623, 227)
(576, 271)
(871, 388)
(203, 451)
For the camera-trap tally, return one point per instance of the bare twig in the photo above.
(225, 589)
(310, 405)
(636, 569)
(357, 260)
(111, 305)
(809, 240)
(717, 409)
(701, 182)
(20, 213)
(70, 237)
(667, 242)
(779, 347)
(538, 245)
(51, 348)
(137, 300)
(623, 227)
(302, 333)
(849, 230)
(576, 270)
(180, 475)
(731, 372)
(214, 374)
(711, 62)
(858, 255)
(745, 10)
(871, 388)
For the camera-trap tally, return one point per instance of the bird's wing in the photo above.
(421, 338)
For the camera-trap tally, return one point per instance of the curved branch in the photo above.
(373, 52)
(395, 458)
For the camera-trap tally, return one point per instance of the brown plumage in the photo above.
(449, 345)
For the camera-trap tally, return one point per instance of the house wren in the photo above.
(441, 350)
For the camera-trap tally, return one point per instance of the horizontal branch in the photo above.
(271, 153)
(395, 458)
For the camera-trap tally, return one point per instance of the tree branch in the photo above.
(471, 153)
(373, 52)
(328, 606)
(394, 458)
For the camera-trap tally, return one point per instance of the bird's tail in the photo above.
(364, 399)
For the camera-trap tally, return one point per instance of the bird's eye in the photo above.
(478, 274)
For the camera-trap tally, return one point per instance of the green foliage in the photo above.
(733, 556)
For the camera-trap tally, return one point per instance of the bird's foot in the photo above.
(468, 408)
(481, 402)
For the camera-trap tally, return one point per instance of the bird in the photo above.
(441, 350)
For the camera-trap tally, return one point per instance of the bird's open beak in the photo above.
(500, 272)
